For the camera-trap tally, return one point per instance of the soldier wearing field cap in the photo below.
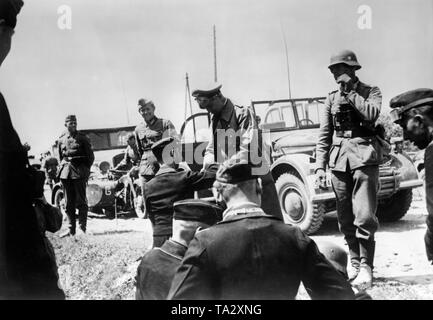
(158, 266)
(170, 184)
(235, 135)
(250, 254)
(413, 111)
(149, 131)
(349, 144)
(76, 158)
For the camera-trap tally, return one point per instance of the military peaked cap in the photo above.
(9, 10)
(71, 117)
(207, 91)
(197, 210)
(234, 171)
(409, 100)
(161, 144)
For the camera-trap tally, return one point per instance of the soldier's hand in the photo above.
(321, 179)
(345, 82)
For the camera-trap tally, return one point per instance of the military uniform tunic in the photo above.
(168, 186)
(240, 127)
(157, 269)
(145, 135)
(428, 164)
(353, 156)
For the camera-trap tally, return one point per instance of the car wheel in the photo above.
(394, 208)
(296, 205)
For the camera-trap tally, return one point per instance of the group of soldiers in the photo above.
(235, 246)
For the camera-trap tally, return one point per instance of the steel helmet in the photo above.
(347, 57)
(335, 255)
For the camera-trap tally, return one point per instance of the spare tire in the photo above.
(395, 207)
(296, 205)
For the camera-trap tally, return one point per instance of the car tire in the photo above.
(394, 208)
(296, 205)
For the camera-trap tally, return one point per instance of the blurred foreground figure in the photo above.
(252, 255)
(26, 266)
(413, 111)
(159, 265)
(338, 258)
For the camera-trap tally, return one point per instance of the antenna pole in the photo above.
(188, 99)
(287, 61)
(214, 54)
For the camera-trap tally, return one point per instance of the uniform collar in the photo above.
(165, 169)
(174, 249)
(357, 84)
(151, 122)
(242, 208)
(226, 112)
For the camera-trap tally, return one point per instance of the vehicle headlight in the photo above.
(94, 194)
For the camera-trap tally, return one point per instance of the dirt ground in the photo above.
(102, 264)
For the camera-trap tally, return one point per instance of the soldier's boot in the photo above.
(71, 224)
(82, 220)
(364, 280)
(355, 259)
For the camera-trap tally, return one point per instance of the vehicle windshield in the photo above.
(288, 113)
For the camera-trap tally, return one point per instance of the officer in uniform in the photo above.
(413, 111)
(235, 134)
(26, 266)
(76, 158)
(132, 156)
(169, 185)
(158, 266)
(252, 255)
(151, 130)
(349, 145)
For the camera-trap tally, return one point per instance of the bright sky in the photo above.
(120, 51)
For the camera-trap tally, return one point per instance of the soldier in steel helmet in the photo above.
(348, 143)
(413, 111)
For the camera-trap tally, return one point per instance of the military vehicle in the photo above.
(290, 128)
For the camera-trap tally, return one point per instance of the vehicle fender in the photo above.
(297, 163)
(56, 187)
(405, 165)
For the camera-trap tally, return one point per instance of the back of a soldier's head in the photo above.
(192, 214)
(235, 181)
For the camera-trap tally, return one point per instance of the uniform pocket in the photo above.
(368, 150)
